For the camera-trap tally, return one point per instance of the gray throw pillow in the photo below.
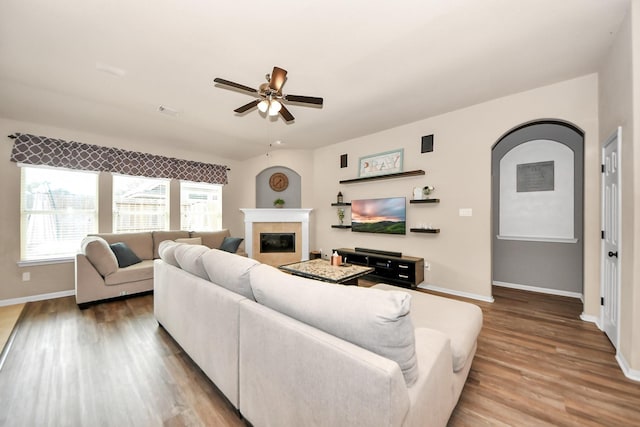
(373, 319)
(124, 254)
(231, 244)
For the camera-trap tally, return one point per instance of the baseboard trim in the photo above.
(590, 318)
(456, 293)
(40, 297)
(632, 374)
(539, 290)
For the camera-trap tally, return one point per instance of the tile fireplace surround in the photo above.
(258, 221)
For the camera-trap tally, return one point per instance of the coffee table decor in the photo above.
(320, 269)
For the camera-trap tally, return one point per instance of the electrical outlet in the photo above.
(427, 266)
(26, 276)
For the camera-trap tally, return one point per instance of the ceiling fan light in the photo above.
(275, 107)
(263, 106)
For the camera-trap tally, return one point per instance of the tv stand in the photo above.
(404, 271)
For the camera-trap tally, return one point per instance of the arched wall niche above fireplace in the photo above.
(265, 195)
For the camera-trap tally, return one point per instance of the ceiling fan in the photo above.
(270, 96)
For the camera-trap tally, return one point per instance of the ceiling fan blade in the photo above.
(247, 106)
(304, 99)
(278, 76)
(286, 115)
(233, 84)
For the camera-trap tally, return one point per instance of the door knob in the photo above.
(613, 254)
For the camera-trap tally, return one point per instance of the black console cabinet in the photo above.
(402, 271)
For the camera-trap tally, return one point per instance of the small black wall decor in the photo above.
(343, 161)
(427, 144)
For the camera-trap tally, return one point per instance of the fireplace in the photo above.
(277, 242)
(276, 221)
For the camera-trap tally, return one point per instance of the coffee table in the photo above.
(321, 269)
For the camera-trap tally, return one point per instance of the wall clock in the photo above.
(278, 181)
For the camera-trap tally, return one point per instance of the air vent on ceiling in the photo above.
(168, 110)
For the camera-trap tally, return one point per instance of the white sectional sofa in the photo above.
(289, 351)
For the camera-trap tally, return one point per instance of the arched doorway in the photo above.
(537, 208)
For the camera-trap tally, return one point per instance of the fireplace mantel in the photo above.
(276, 215)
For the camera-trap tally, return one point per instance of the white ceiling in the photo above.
(377, 64)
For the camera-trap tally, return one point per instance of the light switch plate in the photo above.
(465, 212)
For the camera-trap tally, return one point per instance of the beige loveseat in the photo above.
(98, 277)
(288, 351)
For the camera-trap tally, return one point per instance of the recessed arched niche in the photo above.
(265, 194)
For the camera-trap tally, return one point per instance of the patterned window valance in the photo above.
(40, 150)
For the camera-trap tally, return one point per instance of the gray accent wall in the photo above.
(265, 195)
(552, 265)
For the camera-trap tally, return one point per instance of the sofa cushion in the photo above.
(230, 271)
(230, 244)
(189, 259)
(459, 320)
(134, 273)
(124, 254)
(140, 243)
(211, 239)
(160, 236)
(98, 252)
(376, 320)
(190, 240)
(167, 252)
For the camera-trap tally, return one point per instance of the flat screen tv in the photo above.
(379, 215)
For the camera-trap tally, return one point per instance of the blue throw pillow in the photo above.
(230, 244)
(124, 254)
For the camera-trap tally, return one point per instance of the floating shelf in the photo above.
(340, 226)
(425, 230)
(340, 204)
(424, 201)
(379, 177)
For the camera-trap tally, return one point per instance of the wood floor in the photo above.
(111, 365)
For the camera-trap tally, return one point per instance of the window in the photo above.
(140, 204)
(58, 207)
(200, 206)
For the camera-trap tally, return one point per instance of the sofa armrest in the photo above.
(432, 396)
(86, 278)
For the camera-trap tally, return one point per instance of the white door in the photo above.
(610, 282)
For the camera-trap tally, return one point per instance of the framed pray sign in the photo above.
(381, 163)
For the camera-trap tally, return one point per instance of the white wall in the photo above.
(617, 103)
(537, 214)
(460, 169)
